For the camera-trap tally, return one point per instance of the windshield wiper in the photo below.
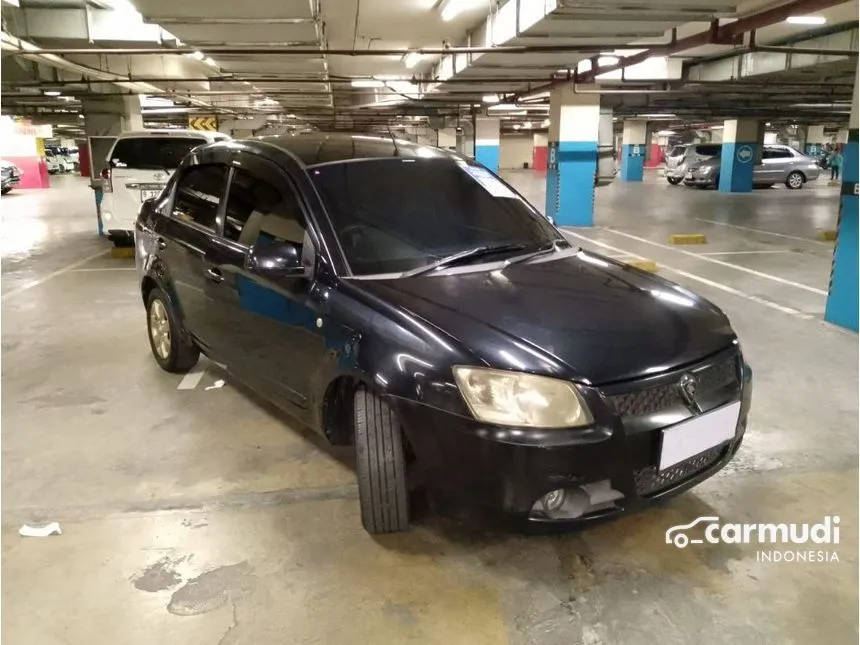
(468, 254)
(549, 247)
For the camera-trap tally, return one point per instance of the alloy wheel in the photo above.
(159, 329)
(795, 180)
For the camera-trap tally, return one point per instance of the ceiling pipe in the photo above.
(728, 34)
(227, 50)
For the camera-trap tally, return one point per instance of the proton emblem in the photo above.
(688, 385)
(158, 176)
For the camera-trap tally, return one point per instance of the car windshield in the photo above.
(677, 151)
(152, 153)
(394, 215)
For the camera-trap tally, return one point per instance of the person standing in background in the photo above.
(835, 164)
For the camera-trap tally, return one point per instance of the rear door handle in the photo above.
(214, 275)
(161, 243)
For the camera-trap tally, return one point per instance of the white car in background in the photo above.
(680, 158)
(138, 168)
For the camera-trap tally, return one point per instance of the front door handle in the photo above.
(214, 275)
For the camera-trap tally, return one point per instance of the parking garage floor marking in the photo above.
(104, 269)
(743, 252)
(736, 267)
(35, 283)
(192, 378)
(717, 285)
(759, 230)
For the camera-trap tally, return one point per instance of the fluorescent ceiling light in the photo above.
(545, 123)
(658, 116)
(198, 55)
(607, 60)
(367, 83)
(167, 110)
(81, 116)
(490, 98)
(210, 62)
(665, 133)
(806, 20)
(527, 125)
(502, 106)
(412, 59)
(51, 93)
(450, 9)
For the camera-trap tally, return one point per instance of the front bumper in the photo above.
(698, 180)
(509, 470)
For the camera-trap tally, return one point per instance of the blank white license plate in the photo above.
(696, 435)
(149, 194)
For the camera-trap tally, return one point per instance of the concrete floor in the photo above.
(195, 515)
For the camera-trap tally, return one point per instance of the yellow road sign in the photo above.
(209, 123)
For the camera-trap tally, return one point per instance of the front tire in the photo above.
(380, 465)
(795, 180)
(674, 180)
(172, 350)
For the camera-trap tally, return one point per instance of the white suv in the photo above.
(138, 167)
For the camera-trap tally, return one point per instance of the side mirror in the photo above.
(277, 260)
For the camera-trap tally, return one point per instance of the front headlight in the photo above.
(517, 399)
(706, 170)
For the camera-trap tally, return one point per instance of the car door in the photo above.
(774, 167)
(183, 240)
(266, 329)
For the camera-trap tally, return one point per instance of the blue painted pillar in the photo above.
(741, 151)
(487, 142)
(633, 150)
(814, 141)
(842, 302)
(572, 156)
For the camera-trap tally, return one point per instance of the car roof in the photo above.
(315, 148)
(173, 132)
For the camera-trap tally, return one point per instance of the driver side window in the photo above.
(259, 212)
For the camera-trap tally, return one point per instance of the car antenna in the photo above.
(394, 141)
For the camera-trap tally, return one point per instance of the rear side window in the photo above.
(198, 193)
(152, 153)
(708, 150)
(777, 153)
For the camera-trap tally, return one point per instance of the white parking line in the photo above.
(736, 267)
(104, 269)
(758, 230)
(50, 276)
(744, 252)
(711, 283)
(192, 378)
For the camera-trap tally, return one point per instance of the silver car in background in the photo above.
(680, 158)
(779, 165)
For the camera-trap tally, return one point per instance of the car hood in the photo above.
(584, 316)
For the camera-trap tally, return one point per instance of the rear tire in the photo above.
(673, 180)
(172, 349)
(5, 190)
(795, 180)
(380, 465)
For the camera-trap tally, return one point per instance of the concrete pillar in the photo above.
(22, 144)
(741, 148)
(539, 153)
(842, 135)
(487, 142)
(633, 150)
(841, 308)
(814, 140)
(572, 164)
(111, 115)
(447, 138)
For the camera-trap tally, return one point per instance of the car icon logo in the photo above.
(675, 535)
(158, 176)
(688, 386)
(745, 154)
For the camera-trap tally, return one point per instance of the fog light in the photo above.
(553, 500)
(106, 216)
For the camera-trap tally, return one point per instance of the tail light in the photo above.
(108, 187)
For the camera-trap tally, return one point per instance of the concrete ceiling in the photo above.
(241, 74)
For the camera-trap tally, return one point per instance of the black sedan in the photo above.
(405, 300)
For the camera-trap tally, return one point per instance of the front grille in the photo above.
(650, 481)
(662, 397)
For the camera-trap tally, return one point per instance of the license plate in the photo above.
(696, 435)
(149, 194)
